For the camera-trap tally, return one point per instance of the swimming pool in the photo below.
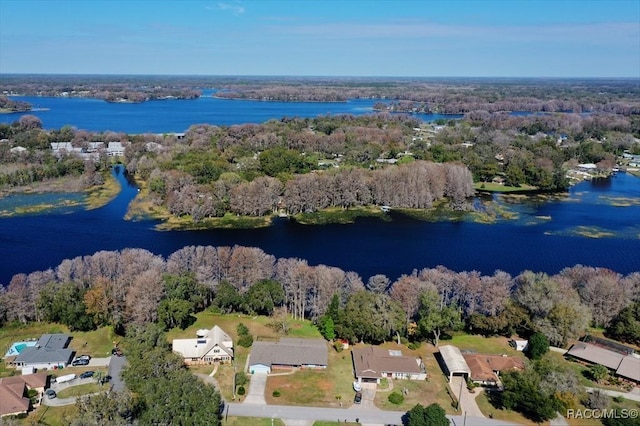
(17, 347)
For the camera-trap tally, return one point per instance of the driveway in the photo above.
(257, 387)
(468, 403)
(368, 395)
(115, 371)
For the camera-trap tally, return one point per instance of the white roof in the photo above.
(454, 360)
(200, 346)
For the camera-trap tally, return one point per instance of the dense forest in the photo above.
(134, 286)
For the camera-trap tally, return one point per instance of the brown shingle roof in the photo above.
(483, 367)
(12, 390)
(372, 362)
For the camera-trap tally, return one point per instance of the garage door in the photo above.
(259, 369)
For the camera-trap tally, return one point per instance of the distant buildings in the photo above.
(88, 150)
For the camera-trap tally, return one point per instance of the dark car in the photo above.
(50, 393)
(87, 357)
(87, 374)
(358, 398)
(78, 362)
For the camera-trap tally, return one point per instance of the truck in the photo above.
(65, 378)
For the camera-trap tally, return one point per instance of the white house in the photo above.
(208, 347)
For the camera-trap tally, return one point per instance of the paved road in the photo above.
(634, 395)
(365, 415)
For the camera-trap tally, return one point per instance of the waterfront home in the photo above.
(208, 347)
(370, 364)
(49, 352)
(625, 365)
(287, 354)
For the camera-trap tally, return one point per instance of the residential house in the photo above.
(371, 363)
(486, 369)
(625, 365)
(208, 347)
(288, 353)
(13, 392)
(49, 352)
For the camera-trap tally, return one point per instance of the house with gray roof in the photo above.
(624, 365)
(50, 352)
(288, 353)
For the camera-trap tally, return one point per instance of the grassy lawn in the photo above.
(51, 416)
(496, 187)
(480, 344)
(513, 417)
(81, 390)
(324, 388)
(97, 343)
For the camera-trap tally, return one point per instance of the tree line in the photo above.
(134, 286)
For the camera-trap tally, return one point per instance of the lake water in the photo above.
(548, 236)
(177, 115)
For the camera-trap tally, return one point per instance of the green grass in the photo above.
(508, 416)
(81, 390)
(339, 215)
(97, 343)
(495, 187)
(480, 344)
(51, 416)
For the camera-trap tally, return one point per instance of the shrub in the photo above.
(396, 398)
(241, 378)
(241, 390)
(538, 346)
(245, 340)
(276, 393)
(414, 345)
(618, 399)
(338, 346)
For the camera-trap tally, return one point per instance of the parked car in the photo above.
(87, 357)
(358, 398)
(50, 393)
(78, 362)
(87, 374)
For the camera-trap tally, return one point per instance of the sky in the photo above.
(378, 38)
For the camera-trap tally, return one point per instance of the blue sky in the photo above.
(509, 38)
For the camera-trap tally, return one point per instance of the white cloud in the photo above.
(235, 7)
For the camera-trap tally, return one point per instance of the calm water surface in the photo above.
(177, 115)
(548, 237)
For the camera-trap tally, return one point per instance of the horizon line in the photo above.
(549, 77)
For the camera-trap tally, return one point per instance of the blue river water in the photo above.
(548, 235)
